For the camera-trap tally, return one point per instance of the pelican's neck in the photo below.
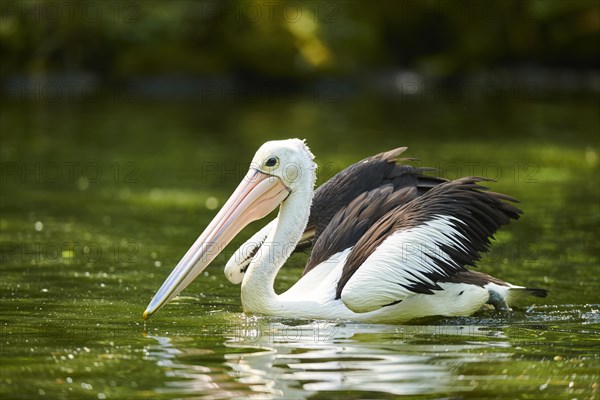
(258, 295)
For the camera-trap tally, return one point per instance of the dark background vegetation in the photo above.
(553, 43)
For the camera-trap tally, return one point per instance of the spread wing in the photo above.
(413, 246)
(361, 193)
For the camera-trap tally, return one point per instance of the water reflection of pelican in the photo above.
(277, 360)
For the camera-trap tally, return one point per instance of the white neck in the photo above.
(258, 295)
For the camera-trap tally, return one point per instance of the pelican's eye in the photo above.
(272, 162)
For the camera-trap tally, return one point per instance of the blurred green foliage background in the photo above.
(292, 41)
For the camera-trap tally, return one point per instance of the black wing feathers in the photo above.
(477, 214)
(345, 206)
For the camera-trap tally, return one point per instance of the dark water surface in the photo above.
(99, 201)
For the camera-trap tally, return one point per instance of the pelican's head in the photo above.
(278, 169)
(288, 160)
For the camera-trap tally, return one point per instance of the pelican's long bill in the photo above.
(256, 196)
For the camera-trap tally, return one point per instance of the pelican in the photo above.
(394, 247)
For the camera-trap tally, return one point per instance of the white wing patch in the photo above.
(402, 260)
(320, 282)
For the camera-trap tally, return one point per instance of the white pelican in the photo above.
(394, 250)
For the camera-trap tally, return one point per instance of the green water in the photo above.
(100, 200)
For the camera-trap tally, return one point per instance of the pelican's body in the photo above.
(313, 297)
(387, 254)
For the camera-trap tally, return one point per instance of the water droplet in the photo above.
(68, 254)
(83, 183)
(591, 157)
(212, 203)
(124, 193)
